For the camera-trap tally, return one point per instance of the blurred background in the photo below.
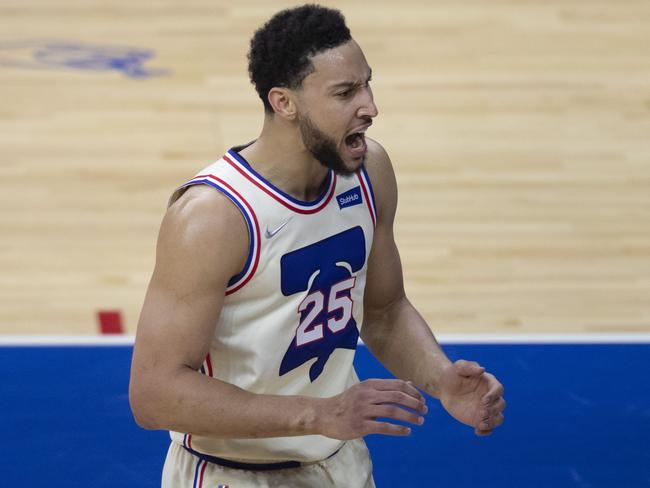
(520, 136)
(519, 132)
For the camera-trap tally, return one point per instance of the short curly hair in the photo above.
(281, 49)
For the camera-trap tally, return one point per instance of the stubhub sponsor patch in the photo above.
(349, 198)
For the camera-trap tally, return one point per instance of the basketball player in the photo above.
(271, 263)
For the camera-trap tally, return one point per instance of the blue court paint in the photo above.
(66, 420)
(577, 416)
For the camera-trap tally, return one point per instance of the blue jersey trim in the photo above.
(271, 186)
(196, 471)
(239, 465)
(372, 193)
(249, 224)
(249, 466)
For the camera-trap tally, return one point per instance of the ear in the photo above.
(283, 103)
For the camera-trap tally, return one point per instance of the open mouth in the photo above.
(356, 144)
(355, 140)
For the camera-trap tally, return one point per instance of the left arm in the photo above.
(397, 334)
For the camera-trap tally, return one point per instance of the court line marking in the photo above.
(67, 340)
(127, 340)
(533, 338)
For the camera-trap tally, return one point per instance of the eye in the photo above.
(344, 94)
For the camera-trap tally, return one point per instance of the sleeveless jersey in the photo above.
(291, 318)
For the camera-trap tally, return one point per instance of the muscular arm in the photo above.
(393, 329)
(202, 244)
(397, 334)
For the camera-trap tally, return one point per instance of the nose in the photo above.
(368, 107)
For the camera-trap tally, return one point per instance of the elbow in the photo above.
(374, 327)
(143, 420)
(143, 405)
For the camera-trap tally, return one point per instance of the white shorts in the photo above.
(349, 468)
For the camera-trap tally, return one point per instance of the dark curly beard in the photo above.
(322, 147)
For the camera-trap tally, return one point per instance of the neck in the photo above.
(280, 156)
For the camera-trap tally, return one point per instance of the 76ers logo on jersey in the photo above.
(325, 271)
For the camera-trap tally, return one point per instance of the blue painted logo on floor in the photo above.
(79, 56)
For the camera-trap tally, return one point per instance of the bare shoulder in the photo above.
(382, 177)
(201, 204)
(204, 223)
(377, 160)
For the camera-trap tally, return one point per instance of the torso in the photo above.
(291, 318)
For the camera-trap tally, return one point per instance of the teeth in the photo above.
(362, 131)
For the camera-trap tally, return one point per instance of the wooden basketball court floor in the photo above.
(520, 135)
(519, 131)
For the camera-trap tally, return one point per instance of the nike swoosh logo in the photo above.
(270, 233)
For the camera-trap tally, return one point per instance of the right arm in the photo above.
(202, 243)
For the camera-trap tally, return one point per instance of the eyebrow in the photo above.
(351, 84)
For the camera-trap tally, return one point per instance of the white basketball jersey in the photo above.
(291, 319)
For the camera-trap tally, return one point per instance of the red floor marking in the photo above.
(110, 322)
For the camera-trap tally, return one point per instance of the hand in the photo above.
(472, 396)
(353, 413)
